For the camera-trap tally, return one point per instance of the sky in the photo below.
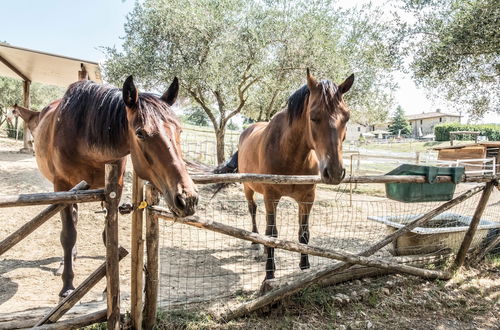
(79, 28)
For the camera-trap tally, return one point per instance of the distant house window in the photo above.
(440, 119)
(421, 121)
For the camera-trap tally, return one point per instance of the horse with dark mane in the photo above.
(303, 139)
(96, 124)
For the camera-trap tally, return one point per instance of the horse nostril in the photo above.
(326, 175)
(343, 174)
(179, 201)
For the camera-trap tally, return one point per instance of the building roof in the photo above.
(36, 66)
(430, 115)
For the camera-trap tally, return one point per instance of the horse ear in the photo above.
(312, 83)
(15, 112)
(171, 94)
(130, 93)
(346, 85)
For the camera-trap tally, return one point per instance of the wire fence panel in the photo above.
(201, 266)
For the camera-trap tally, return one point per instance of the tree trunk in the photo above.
(219, 135)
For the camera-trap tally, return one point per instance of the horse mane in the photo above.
(297, 99)
(97, 113)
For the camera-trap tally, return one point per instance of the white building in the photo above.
(423, 123)
(354, 130)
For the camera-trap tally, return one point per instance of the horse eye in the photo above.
(315, 120)
(140, 134)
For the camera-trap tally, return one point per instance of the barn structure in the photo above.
(37, 66)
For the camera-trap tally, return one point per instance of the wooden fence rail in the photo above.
(36, 222)
(65, 197)
(315, 179)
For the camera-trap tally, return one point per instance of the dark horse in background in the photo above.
(303, 139)
(95, 124)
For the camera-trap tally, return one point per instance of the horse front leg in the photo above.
(271, 230)
(69, 217)
(252, 208)
(304, 211)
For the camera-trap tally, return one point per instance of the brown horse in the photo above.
(30, 117)
(93, 125)
(302, 139)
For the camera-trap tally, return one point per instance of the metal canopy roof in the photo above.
(46, 68)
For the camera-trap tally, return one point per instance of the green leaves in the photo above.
(457, 52)
(236, 56)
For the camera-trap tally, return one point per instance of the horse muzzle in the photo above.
(183, 204)
(331, 176)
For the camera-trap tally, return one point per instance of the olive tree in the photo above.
(235, 56)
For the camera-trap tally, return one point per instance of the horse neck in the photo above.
(294, 140)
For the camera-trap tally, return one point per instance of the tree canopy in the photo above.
(235, 56)
(455, 45)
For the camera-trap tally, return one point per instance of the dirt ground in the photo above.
(195, 265)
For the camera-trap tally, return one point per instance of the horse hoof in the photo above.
(66, 293)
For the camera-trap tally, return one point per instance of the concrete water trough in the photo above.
(445, 231)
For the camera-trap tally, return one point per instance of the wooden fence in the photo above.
(154, 212)
(145, 208)
(114, 253)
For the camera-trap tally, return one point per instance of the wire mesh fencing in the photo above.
(198, 265)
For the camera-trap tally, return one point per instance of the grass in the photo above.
(409, 146)
(470, 301)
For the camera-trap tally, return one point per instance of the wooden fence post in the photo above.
(469, 235)
(112, 198)
(152, 238)
(137, 253)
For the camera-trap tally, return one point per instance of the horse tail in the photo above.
(231, 166)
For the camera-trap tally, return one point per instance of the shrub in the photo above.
(442, 131)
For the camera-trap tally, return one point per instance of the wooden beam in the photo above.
(152, 245)
(289, 283)
(137, 254)
(476, 218)
(65, 305)
(36, 222)
(14, 69)
(77, 322)
(315, 179)
(27, 144)
(82, 74)
(111, 201)
(64, 197)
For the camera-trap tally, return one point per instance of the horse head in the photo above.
(154, 137)
(328, 116)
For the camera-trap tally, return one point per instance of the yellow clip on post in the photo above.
(142, 205)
